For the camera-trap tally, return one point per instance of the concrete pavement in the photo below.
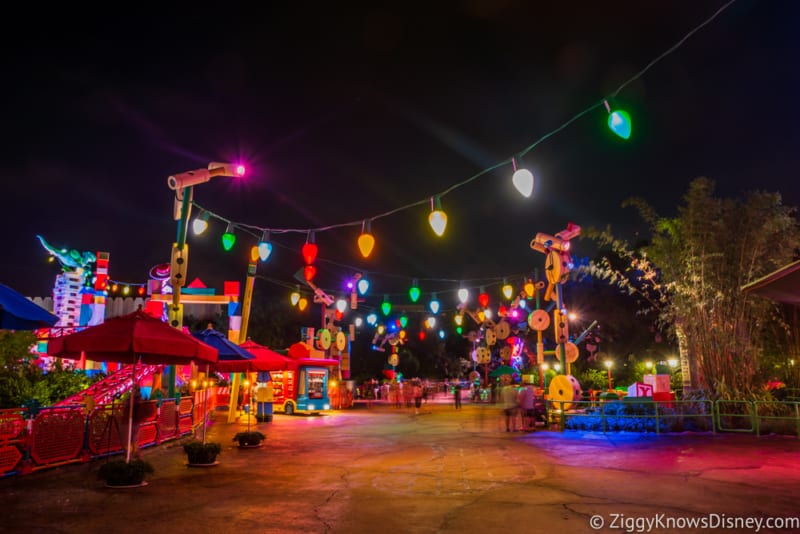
(387, 470)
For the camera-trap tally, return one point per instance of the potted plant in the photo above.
(249, 438)
(119, 473)
(200, 453)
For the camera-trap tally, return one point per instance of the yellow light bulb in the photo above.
(366, 242)
(508, 291)
(530, 289)
(459, 319)
(294, 298)
(302, 304)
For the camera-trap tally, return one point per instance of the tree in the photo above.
(691, 273)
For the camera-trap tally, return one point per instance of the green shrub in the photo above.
(122, 473)
(202, 453)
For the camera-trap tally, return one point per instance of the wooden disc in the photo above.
(539, 320)
(502, 329)
(491, 337)
(505, 354)
(563, 390)
(552, 267)
(341, 341)
(571, 352)
(324, 339)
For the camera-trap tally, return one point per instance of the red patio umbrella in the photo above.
(136, 337)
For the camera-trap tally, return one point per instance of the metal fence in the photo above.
(642, 415)
(32, 439)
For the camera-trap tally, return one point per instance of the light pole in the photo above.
(183, 185)
(544, 368)
(609, 364)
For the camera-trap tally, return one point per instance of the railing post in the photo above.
(603, 415)
(754, 415)
(658, 429)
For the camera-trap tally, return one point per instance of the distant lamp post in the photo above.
(557, 367)
(648, 365)
(609, 364)
(673, 363)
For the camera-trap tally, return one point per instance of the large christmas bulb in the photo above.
(437, 218)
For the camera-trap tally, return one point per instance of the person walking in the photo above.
(417, 391)
(457, 395)
(510, 406)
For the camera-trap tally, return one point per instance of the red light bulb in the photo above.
(483, 300)
(309, 271)
(310, 252)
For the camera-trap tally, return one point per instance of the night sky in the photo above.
(342, 112)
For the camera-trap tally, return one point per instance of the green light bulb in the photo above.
(228, 240)
(459, 330)
(386, 307)
(403, 321)
(620, 123)
(414, 293)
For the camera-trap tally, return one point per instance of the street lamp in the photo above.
(183, 185)
(673, 363)
(609, 364)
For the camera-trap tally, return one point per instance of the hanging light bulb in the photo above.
(437, 218)
(459, 330)
(421, 335)
(507, 290)
(366, 241)
(434, 304)
(294, 297)
(483, 298)
(414, 292)
(381, 329)
(372, 319)
(430, 322)
(619, 121)
(359, 322)
(302, 303)
(309, 272)
(341, 305)
(463, 295)
(310, 249)
(228, 238)
(481, 315)
(386, 306)
(253, 254)
(459, 319)
(530, 289)
(442, 334)
(264, 247)
(522, 180)
(200, 223)
(363, 286)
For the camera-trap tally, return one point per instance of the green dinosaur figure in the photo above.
(69, 259)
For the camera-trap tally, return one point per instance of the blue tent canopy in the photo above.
(19, 313)
(228, 350)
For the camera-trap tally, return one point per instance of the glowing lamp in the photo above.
(386, 307)
(459, 319)
(228, 238)
(430, 322)
(434, 304)
(619, 121)
(253, 254)
(341, 305)
(372, 319)
(240, 170)
(294, 297)
(302, 303)
(413, 293)
(529, 288)
(338, 315)
(359, 322)
(437, 218)
(200, 224)
(381, 329)
(507, 291)
(401, 334)
(463, 295)
(366, 241)
(422, 335)
(481, 315)
(441, 334)
(309, 272)
(523, 181)
(126, 290)
(309, 252)
(264, 247)
(140, 291)
(488, 313)
(363, 286)
(403, 321)
(483, 299)
(459, 330)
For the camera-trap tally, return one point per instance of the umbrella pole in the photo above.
(130, 412)
(205, 405)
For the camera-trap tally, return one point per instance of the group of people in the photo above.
(519, 407)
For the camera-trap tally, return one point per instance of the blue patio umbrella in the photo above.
(228, 350)
(19, 313)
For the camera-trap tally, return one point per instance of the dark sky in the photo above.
(344, 110)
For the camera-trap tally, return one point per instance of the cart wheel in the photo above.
(289, 408)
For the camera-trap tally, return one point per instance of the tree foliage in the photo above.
(691, 273)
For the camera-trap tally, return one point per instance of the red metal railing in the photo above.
(58, 435)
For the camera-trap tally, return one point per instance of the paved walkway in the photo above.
(386, 470)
